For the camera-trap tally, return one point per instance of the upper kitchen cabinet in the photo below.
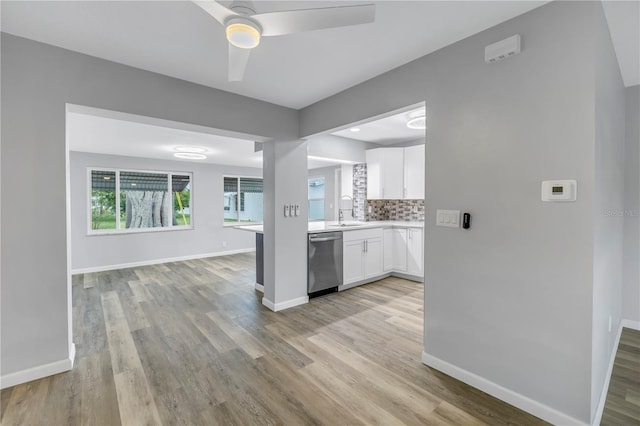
(395, 173)
(385, 173)
(414, 172)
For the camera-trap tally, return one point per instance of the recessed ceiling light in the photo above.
(190, 155)
(187, 148)
(418, 123)
(355, 129)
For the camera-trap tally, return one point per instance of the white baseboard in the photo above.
(517, 400)
(260, 288)
(275, 307)
(607, 378)
(39, 372)
(635, 325)
(158, 261)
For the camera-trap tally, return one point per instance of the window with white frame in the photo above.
(242, 200)
(135, 200)
(316, 198)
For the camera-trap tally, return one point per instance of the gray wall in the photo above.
(37, 82)
(329, 174)
(511, 299)
(609, 203)
(631, 274)
(207, 235)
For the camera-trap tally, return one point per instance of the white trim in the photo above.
(260, 288)
(520, 401)
(39, 372)
(158, 261)
(634, 325)
(607, 379)
(275, 307)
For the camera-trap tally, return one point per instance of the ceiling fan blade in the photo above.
(215, 9)
(296, 21)
(238, 58)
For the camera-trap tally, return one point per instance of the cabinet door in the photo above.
(392, 173)
(400, 250)
(415, 247)
(353, 264)
(373, 257)
(374, 174)
(388, 247)
(414, 172)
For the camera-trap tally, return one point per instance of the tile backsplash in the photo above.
(359, 191)
(409, 210)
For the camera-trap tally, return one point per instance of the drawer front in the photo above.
(361, 234)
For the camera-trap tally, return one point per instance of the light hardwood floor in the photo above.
(623, 398)
(190, 343)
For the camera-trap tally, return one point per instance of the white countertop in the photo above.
(332, 226)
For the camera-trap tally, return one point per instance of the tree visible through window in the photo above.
(144, 200)
(242, 199)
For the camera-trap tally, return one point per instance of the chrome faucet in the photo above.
(340, 210)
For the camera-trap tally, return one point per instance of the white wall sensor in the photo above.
(559, 190)
(503, 49)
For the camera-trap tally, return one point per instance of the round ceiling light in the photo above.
(355, 129)
(190, 156)
(194, 149)
(418, 123)
(243, 33)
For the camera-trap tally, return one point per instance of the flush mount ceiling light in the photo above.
(243, 33)
(355, 129)
(193, 149)
(418, 123)
(190, 156)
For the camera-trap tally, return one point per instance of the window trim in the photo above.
(237, 222)
(120, 231)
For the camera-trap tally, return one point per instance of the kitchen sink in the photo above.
(345, 225)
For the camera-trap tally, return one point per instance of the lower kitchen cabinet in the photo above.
(395, 249)
(415, 251)
(362, 254)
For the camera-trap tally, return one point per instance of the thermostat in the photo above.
(559, 190)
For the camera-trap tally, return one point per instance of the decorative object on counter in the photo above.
(359, 191)
(407, 210)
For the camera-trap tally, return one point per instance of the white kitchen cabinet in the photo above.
(362, 254)
(414, 172)
(415, 253)
(395, 249)
(385, 173)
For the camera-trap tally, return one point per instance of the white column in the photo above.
(285, 238)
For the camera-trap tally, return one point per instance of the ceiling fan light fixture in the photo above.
(243, 33)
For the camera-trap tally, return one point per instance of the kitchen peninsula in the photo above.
(371, 250)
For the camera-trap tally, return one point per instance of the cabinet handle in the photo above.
(366, 245)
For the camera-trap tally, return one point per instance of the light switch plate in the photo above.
(286, 210)
(448, 218)
(297, 209)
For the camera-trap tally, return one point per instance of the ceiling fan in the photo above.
(244, 27)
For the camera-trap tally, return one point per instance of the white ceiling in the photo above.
(179, 39)
(89, 133)
(104, 135)
(387, 130)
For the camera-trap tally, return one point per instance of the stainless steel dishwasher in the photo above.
(325, 263)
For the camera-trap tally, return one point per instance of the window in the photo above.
(242, 199)
(316, 199)
(130, 200)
